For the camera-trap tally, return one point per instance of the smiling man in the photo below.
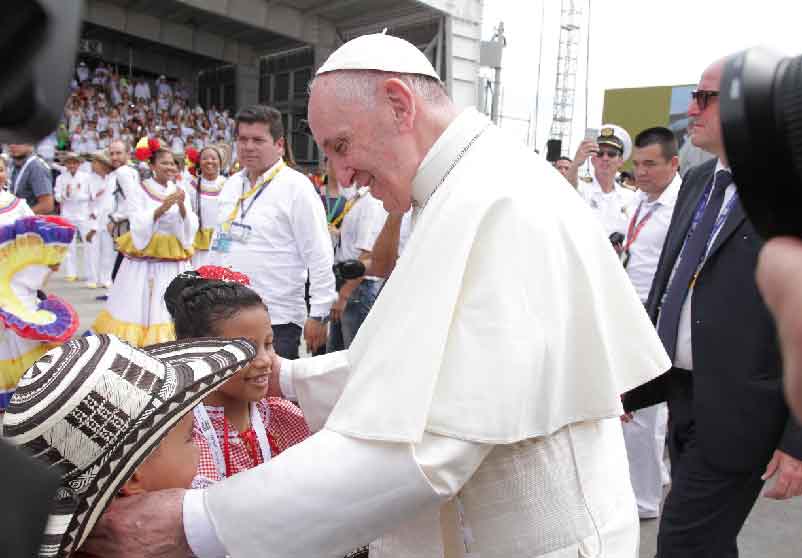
(484, 372)
(274, 230)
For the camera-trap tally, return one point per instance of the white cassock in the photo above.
(490, 378)
(74, 194)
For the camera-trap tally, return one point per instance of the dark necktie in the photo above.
(690, 258)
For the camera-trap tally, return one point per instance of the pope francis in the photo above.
(476, 412)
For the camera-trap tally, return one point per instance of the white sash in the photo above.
(208, 432)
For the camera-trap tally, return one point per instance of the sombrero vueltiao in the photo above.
(94, 408)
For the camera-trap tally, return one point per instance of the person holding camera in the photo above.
(607, 198)
(362, 219)
(730, 429)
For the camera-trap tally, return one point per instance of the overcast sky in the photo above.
(633, 43)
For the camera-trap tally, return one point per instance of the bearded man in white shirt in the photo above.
(273, 229)
(656, 164)
(485, 376)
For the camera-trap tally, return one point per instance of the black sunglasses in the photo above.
(611, 153)
(703, 97)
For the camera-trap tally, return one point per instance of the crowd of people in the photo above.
(104, 106)
(502, 334)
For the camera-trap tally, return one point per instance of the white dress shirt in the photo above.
(288, 237)
(360, 227)
(683, 356)
(610, 208)
(644, 252)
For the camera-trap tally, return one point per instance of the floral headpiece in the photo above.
(217, 273)
(146, 147)
(191, 158)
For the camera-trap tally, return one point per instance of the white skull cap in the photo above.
(379, 52)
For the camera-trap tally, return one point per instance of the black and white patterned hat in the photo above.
(94, 408)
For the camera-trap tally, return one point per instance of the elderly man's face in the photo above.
(365, 146)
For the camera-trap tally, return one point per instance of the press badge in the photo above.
(240, 232)
(221, 242)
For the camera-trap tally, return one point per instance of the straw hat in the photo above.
(94, 408)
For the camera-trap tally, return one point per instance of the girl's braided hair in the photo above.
(197, 300)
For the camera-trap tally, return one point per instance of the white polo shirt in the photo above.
(288, 236)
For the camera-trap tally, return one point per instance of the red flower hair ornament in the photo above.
(191, 158)
(146, 147)
(217, 273)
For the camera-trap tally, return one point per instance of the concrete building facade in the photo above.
(239, 52)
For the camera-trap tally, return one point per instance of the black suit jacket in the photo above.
(740, 412)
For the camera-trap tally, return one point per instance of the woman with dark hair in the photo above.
(156, 249)
(204, 196)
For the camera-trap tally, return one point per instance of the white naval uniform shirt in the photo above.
(683, 356)
(611, 209)
(288, 237)
(645, 250)
(360, 227)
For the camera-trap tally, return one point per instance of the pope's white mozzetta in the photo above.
(490, 379)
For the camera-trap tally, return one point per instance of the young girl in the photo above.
(238, 426)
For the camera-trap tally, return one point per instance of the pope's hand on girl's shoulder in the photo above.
(121, 531)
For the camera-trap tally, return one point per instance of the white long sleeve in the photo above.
(327, 495)
(316, 383)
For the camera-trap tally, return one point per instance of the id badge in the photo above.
(240, 232)
(222, 242)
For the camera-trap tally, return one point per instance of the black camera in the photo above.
(761, 122)
(349, 269)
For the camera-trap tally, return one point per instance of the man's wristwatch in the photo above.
(321, 319)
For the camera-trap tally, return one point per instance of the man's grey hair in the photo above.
(360, 86)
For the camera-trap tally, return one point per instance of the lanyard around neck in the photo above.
(221, 454)
(254, 193)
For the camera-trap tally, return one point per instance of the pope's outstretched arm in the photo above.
(326, 496)
(316, 383)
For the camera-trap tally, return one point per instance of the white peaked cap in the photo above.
(617, 136)
(380, 52)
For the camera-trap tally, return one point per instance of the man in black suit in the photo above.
(729, 426)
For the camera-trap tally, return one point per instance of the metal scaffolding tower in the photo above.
(567, 67)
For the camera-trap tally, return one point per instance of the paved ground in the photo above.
(773, 530)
